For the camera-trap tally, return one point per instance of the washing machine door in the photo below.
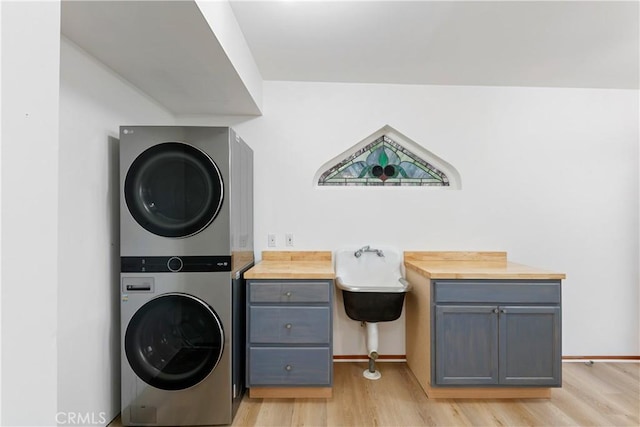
(174, 341)
(173, 189)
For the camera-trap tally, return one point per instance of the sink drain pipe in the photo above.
(372, 361)
(372, 351)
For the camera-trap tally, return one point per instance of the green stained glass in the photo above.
(383, 162)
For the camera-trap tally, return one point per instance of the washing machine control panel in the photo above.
(174, 264)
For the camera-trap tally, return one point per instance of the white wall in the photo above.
(30, 94)
(226, 29)
(0, 226)
(94, 102)
(549, 175)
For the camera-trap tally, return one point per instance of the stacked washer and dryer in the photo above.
(186, 238)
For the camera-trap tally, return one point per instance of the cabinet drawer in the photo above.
(287, 325)
(289, 291)
(289, 366)
(496, 292)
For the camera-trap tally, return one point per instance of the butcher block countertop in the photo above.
(293, 265)
(472, 265)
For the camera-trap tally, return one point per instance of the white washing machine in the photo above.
(186, 237)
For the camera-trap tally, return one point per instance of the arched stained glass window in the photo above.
(381, 160)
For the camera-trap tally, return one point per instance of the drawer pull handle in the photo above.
(503, 311)
(495, 310)
(288, 325)
(287, 294)
(288, 368)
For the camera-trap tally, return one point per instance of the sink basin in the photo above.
(373, 291)
(371, 281)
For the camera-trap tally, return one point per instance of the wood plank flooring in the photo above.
(604, 394)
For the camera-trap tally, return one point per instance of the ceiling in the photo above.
(169, 50)
(505, 43)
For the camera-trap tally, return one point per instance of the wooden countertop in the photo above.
(472, 265)
(432, 265)
(293, 265)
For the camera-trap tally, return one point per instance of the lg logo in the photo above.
(81, 418)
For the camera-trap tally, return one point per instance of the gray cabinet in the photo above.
(496, 333)
(289, 333)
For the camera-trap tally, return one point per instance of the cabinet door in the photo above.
(466, 345)
(530, 341)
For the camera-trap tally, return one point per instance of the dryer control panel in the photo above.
(174, 264)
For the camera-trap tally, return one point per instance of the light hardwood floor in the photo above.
(604, 394)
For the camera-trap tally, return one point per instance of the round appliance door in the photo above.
(173, 190)
(174, 341)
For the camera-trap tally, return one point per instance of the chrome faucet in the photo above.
(367, 248)
(358, 253)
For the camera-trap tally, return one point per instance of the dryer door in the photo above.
(174, 341)
(173, 190)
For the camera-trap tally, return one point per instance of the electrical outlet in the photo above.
(271, 240)
(288, 239)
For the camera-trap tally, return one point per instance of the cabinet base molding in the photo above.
(365, 358)
(488, 392)
(290, 392)
(600, 358)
